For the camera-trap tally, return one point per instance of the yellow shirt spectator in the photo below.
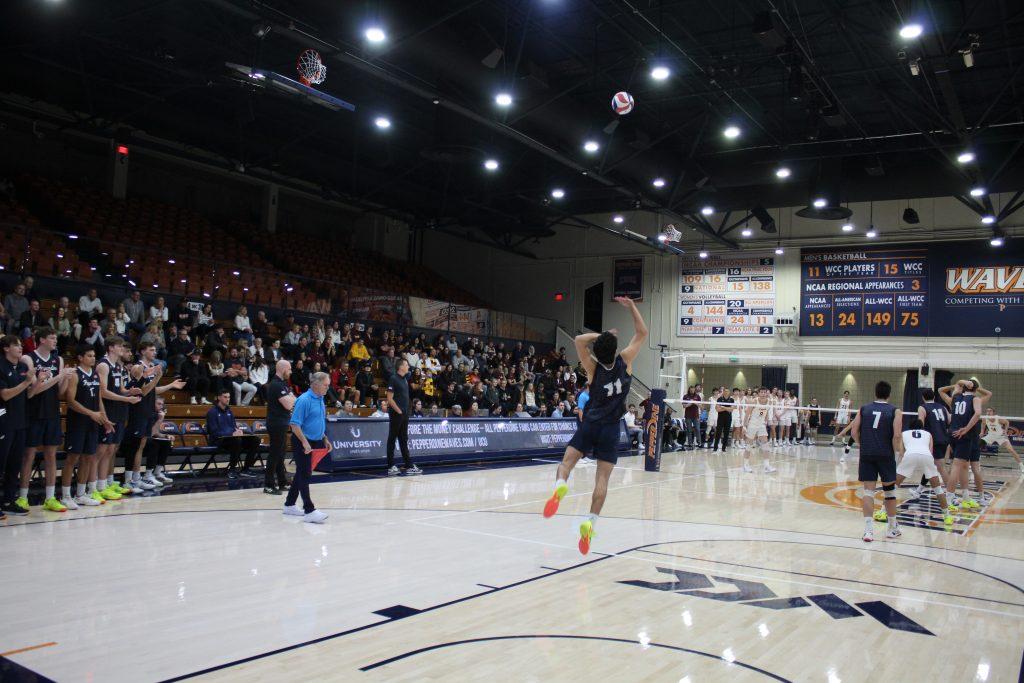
(358, 351)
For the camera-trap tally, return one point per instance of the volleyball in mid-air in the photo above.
(622, 103)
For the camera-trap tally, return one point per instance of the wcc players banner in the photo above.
(950, 289)
(727, 295)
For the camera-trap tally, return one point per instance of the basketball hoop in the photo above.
(671, 234)
(310, 68)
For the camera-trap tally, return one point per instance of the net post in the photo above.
(654, 420)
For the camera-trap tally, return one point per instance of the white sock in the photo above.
(559, 482)
(49, 492)
(90, 488)
(159, 469)
(22, 493)
(593, 518)
(149, 474)
(65, 491)
(137, 476)
(110, 480)
(81, 490)
(892, 523)
(868, 523)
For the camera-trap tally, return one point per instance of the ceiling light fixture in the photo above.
(779, 251)
(703, 254)
(731, 132)
(988, 219)
(707, 210)
(820, 203)
(491, 164)
(503, 99)
(660, 72)
(965, 157)
(375, 34)
(658, 182)
(911, 31)
(591, 146)
(783, 172)
(747, 232)
(618, 219)
(871, 233)
(558, 193)
(847, 227)
(978, 191)
(382, 122)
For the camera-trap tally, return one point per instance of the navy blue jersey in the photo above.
(876, 429)
(46, 405)
(963, 411)
(936, 421)
(608, 391)
(117, 411)
(11, 375)
(146, 408)
(87, 395)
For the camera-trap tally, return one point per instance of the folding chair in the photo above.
(196, 433)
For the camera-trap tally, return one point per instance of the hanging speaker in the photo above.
(764, 218)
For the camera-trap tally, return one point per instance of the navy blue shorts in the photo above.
(967, 448)
(141, 429)
(115, 437)
(83, 439)
(874, 468)
(601, 440)
(939, 450)
(44, 432)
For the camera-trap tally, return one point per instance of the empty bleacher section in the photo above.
(17, 254)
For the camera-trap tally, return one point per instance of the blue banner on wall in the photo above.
(951, 289)
(628, 278)
(360, 442)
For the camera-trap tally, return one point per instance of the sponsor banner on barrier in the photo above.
(368, 304)
(628, 278)
(443, 315)
(360, 441)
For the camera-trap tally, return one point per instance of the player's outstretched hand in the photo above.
(625, 301)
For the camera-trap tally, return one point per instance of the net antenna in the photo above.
(310, 68)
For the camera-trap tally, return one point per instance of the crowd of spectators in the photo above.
(449, 374)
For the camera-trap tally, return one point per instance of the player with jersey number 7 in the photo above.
(610, 374)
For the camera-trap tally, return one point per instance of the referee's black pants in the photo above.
(723, 430)
(398, 430)
(275, 458)
(303, 473)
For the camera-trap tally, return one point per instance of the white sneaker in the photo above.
(747, 468)
(393, 471)
(87, 500)
(893, 532)
(69, 503)
(314, 517)
(153, 481)
(193, 400)
(869, 535)
(293, 511)
(163, 478)
(134, 486)
(768, 469)
(204, 401)
(144, 485)
(586, 461)
(414, 470)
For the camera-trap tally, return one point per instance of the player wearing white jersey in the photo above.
(773, 417)
(994, 431)
(739, 418)
(842, 417)
(756, 429)
(918, 460)
(787, 418)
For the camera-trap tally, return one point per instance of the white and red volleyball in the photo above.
(622, 103)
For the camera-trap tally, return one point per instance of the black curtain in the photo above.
(943, 378)
(911, 395)
(773, 377)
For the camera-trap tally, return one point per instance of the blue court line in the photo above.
(412, 653)
(835, 578)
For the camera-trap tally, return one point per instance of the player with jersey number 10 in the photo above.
(611, 374)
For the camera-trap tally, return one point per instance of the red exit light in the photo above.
(122, 150)
(559, 296)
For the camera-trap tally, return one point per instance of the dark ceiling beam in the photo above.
(1006, 160)
(725, 219)
(334, 52)
(1002, 91)
(1011, 206)
(664, 136)
(440, 21)
(736, 224)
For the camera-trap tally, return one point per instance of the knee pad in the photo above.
(889, 491)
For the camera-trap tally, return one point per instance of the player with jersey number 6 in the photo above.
(610, 376)
(917, 447)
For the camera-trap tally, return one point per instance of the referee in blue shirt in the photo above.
(308, 425)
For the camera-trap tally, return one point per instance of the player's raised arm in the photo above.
(639, 334)
(946, 394)
(582, 343)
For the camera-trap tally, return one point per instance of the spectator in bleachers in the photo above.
(32, 318)
(158, 312)
(259, 373)
(15, 304)
(257, 349)
(154, 336)
(542, 410)
(61, 321)
(530, 398)
(243, 328)
(238, 374)
(387, 363)
(292, 339)
(136, 312)
(365, 385)
(216, 341)
(94, 337)
(358, 350)
(381, 411)
(300, 377)
(109, 322)
(260, 326)
(319, 331)
(180, 348)
(274, 353)
(335, 336)
(196, 376)
(29, 283)
(90, 306)
(559, 410)
(121, 321)
(225, 434)
(202, 323)
(456, 411)
(183, 314)
(521, 411)
(215, 370)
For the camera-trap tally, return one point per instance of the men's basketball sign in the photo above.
(950, 289)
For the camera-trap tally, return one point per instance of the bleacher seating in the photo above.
(58, 259)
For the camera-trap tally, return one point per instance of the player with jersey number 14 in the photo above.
(611, 374)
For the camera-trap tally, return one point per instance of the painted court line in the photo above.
(26, 649)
